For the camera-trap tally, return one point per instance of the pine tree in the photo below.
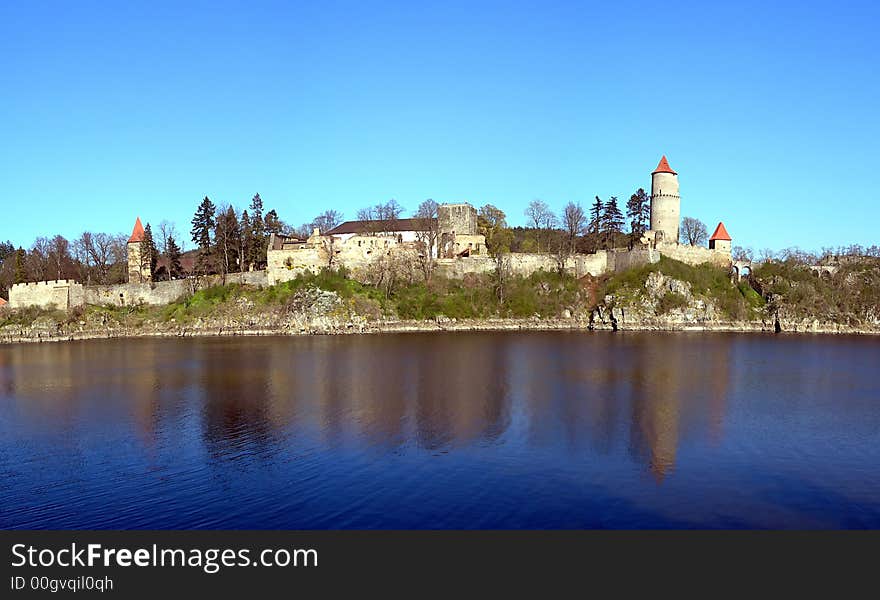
(227, 236)
(173, 251)
(203, 224)
(596, 210)
(149, 252)
(19, 274)
(258, 232)
(245, 242)
(638, 211)
(173, 254)
(612, 221)
(272, 222)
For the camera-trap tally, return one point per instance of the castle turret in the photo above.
(720, 240)
(665, 203)
(138, 266)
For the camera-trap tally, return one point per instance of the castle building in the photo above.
(665, 203)
(720, 240)
(138, 267)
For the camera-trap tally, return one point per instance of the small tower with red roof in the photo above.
(720, 240)
(665, 203)
(138, 266)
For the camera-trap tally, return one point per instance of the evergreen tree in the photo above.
(203, 224)
(612, 221)
(149, 252)
(245, 241)
(173, 252)
(272, 222)
(638, 211)
(596, 211)
(258, 232)
(227, 236)
(20, 275)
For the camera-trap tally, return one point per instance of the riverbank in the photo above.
(339, 327)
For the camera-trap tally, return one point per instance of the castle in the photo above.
(450, 242)
(457, 248)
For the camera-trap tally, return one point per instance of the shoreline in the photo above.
(384, 327)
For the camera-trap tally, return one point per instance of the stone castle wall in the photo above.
(65, 293)
(524, 264)
(60, 294)
(695, 255)
(460, 219)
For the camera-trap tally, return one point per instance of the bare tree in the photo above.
(428, 234)
(574, 219)
(327, 220)
(694, 231)
(740, 253)
(542, 219)
(538, 213)
(167, 230)
(59, 257)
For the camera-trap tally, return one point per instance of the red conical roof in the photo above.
(664, 167)
(720, 233)
(137, 234)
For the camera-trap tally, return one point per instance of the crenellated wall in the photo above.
(695, 255)
(60, 294)
(64, 294)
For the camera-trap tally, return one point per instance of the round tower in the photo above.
(665, 202)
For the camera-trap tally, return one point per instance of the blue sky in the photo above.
(768, 111)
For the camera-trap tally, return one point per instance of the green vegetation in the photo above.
(707, 281)
(850, 295)
(670, 301)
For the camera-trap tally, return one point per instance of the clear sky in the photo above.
(768, 110)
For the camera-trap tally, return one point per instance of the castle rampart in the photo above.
(60, 294)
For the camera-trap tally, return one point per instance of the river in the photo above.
(443, 430)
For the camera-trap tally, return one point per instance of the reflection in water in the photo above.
(467, 430)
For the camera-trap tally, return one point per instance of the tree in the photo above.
(612, 221)
(740, 253)
(20, 274)
(573, 220)
(539, 214)
(694, 231)
(272, 222)
(492, 223)
(638, 211)
(428, 234)
(227, 235)
(203, 224)
(245, 241)
(58, 257)
(172, 252)
(149, 253)
(258, 232)
(326, 221)
(390, 211)
(167, 230)
(102, 249)
(542, 219)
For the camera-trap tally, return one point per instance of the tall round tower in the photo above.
(665, 202)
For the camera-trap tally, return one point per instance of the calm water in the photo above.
(497, 430)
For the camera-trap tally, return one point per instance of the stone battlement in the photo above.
(44, 283)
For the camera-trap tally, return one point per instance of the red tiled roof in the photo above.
(137, 234)
(2, 301)
(664, 167)
(720, 233)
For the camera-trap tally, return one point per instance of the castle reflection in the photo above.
(594, 393)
